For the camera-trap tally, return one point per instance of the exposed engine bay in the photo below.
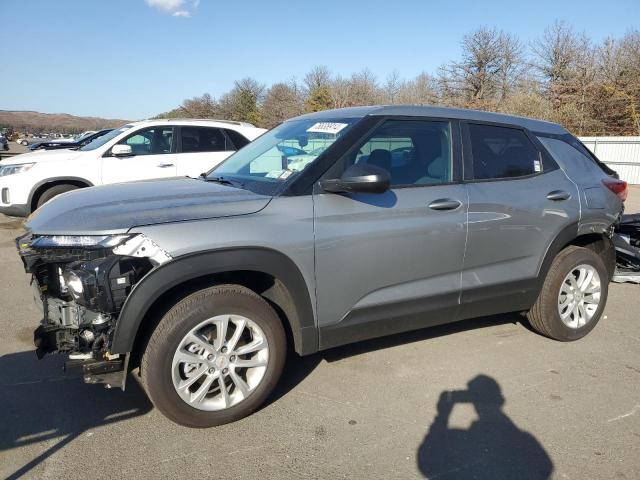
(81, 284)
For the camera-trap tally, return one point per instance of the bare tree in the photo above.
(243, 102)
(566, 63)
(282, 101)
(199, 107)
(364, 89)
(317, 83)
(419, 91)
(563, 77)
(490, 67)
(392, 86)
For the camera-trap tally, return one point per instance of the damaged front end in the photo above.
(81, 284)
(626, 239)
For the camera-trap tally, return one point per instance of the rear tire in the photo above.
(54, 192)
(563, 311)
(168, 379)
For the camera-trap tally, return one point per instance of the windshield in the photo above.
(82, 136)
(98, 142)
(278, 156)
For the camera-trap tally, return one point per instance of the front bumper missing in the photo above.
(81, 323)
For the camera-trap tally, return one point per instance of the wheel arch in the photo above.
(42, 186)
(271, 274)
(596, 241)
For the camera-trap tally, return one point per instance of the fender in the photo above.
(47, 180)
(191, 266)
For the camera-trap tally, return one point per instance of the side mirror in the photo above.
(360, 178)
(121, 150)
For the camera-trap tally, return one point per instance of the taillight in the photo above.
(619, 187)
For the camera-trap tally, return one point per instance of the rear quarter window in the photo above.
(570, 157)
(237, 139)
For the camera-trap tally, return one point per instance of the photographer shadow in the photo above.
(492, 447)
(39, 405)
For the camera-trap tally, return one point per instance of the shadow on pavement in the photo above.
(39, 403)
(298, 368)
(492, 447)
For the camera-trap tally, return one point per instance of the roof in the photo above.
(192, 120)
(438, 112)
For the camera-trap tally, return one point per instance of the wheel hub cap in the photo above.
(579, 296)
(220, 362)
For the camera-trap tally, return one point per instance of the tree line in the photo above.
(561, 76)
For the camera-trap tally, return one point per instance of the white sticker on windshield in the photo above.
(326, 127)
(537, 166)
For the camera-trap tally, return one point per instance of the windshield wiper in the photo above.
(222, 181)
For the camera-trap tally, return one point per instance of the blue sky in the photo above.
(129, 59)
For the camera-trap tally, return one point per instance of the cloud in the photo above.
(168, 6)
(176, 8)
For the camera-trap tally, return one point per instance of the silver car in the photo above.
(394, 218)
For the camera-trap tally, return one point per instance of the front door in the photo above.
(392, 262)
(153, 156)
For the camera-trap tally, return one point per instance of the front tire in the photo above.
(573, 295)
(215, 357)
(54, 192)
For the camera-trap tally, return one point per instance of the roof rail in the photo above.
(180, 119)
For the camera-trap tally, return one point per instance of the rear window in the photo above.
(203, 139)
(501, 152)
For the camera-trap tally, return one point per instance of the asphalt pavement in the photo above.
(484, 398)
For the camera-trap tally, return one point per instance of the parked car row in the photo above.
(333, 227)
(136, 151)
(77, 142)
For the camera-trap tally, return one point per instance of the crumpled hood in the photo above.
(119, 207)
(43, 156)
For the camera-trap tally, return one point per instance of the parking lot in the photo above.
(375, 409)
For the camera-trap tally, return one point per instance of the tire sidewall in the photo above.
(53, 192)
(159, 375)
(567, 264)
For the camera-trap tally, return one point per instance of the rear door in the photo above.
(201, 149)
(392, 262)
(519, 202)
(153, 156)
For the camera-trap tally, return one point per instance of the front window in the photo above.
(280, 155)
(150, 141)
(414, 152)
(100, 141)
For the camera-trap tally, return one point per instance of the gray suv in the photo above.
(331, 228)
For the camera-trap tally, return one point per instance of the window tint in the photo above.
(501, 152)
(413, 152)
(203, 139)
(238, 139)
(150, 141)
(573, 155)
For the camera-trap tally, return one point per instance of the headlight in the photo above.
(17, 168)
(74, 284)
(78, 241)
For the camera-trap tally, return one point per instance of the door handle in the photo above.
(165, 165)
(557, 195)
(444, 204)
